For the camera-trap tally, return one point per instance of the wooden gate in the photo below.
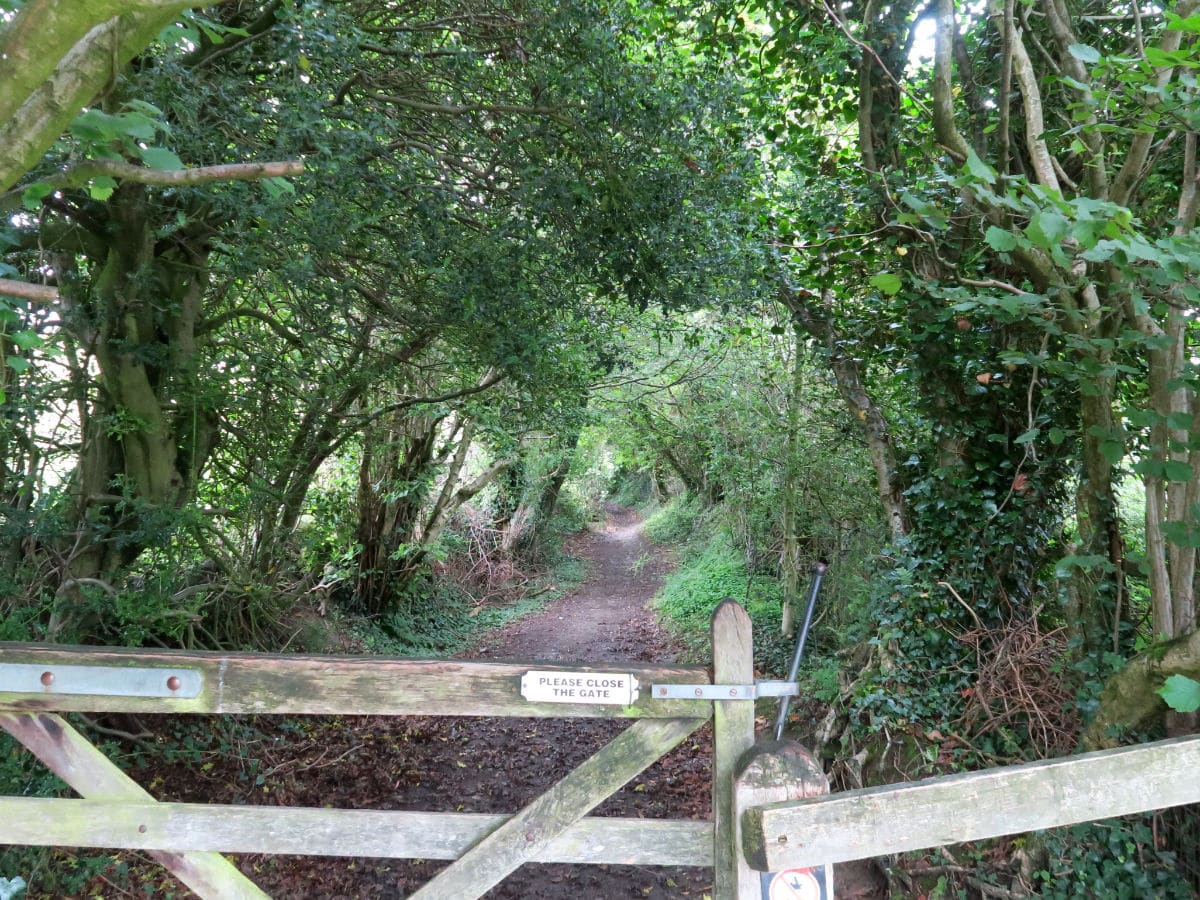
(38, 682)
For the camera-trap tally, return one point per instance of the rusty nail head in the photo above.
(782, 839)
(141, 829)
(47, 678)
(662, 691)
(173, 683)
(699, 693)
(733, 692)
(530, 835)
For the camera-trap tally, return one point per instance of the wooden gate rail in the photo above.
(302, 831)
(71, 757)
(261, 683)
(973, 806)
(189, 838)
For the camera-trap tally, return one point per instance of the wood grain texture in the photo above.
(89, 772)
(771, 771)
(302, 831)
(356, 685)
(733, 735)
(527, 834)
(975, 805)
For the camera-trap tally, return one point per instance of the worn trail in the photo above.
(606, 619)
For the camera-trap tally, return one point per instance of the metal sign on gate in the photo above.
(605, 688)
(815, 883)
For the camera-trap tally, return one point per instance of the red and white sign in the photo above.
(796, 884)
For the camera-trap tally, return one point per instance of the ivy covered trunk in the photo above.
(147, 430)
(395, 476)
(1097, 590)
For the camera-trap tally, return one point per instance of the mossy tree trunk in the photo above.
(148, 429)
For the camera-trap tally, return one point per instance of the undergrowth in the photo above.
(440, 619)
(1114, 859)
(713, 571)
(43, 868)
(678, 521)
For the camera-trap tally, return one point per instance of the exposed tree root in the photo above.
(1130, 700)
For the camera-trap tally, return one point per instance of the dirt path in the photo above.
(607, 618)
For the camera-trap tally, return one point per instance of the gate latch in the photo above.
(725, 691)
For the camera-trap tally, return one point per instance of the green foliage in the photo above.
(570, 516)
(822, 682)
(632, 489)
(712, 572)
(1181, 693)
(1116, 858)
(436, 618)
(917, 626)
(679, 520)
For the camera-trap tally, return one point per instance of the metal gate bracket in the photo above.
(725, 691)
(99, 681)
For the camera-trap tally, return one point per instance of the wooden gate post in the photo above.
(768, 772)
(733, 735)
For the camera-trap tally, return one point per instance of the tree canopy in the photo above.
(299, 300)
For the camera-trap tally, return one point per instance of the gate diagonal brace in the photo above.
(725, 691)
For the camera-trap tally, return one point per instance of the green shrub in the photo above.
(1115, 858)
(714, 572)
(678, 521)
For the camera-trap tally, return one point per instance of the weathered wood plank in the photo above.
(733, 735)
(301, 831)
(527, 834)
(89, 772)
(975, 805)
(357, 685)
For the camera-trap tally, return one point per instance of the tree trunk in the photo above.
(1172, 565)
(1170, 498)
(394, 478)
(1098, 590)
(149, 434)
(538, 504)
(807, 313)
(789, 562)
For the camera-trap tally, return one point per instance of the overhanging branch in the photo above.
(458, 110)
(250, 313)
(81, 173)
(35, 293)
